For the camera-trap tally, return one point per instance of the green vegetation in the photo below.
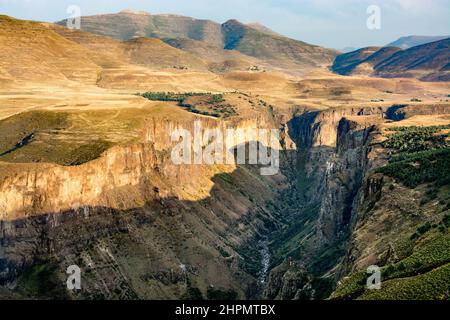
(224, 110)
(214, 103)
(226, 177)
(421, 167)
(223, 252)
(323, 287)
(423, 274)
(432, 129)
(423, 229)
(86, 152)
(429, 286)
(423, 156)
(422, 270)
(192, 293)
(251, 259)
(433, 253)
(215, 98)
(414, 139)
(172, 96)
(40, 280)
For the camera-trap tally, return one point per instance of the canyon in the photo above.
(141, 226)
(87, 178)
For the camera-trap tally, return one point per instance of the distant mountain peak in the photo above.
(407, 42)
(130, 11)
(233, 22)
(260, 27)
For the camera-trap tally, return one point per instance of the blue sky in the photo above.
(331, 23)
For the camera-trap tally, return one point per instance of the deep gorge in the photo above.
(133, 226)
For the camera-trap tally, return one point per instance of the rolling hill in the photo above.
(62, 55)
(263, 45)
(345, 63)
(429, 62)
(362, 61)
(54, 57)
(252, 40)
(149, 52)
(217, 59)
(128, 24)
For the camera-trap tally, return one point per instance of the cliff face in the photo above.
(366, 217)
(32, 189)
(137, 224)
(337, 149)
(46, 188)
(344, 173)
(333, 151)
(335, 191)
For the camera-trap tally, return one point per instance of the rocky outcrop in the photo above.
(289, 281)
(400, 112)
(343, 178)
(336, 153)
(32, 189)
(43, 188)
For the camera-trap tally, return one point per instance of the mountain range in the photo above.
(252, 40)
(428, 62)
(237, 46)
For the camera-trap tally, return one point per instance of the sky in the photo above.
(330, 23)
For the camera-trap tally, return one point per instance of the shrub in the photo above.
(192, 293)
(424, 228)
(219, 294)
(446, 220)
(401, 267)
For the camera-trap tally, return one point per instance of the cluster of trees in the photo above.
(423, 156)
(413, 139)
(216, 100)
(420, 167)
(442, 226)
(171, 96)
